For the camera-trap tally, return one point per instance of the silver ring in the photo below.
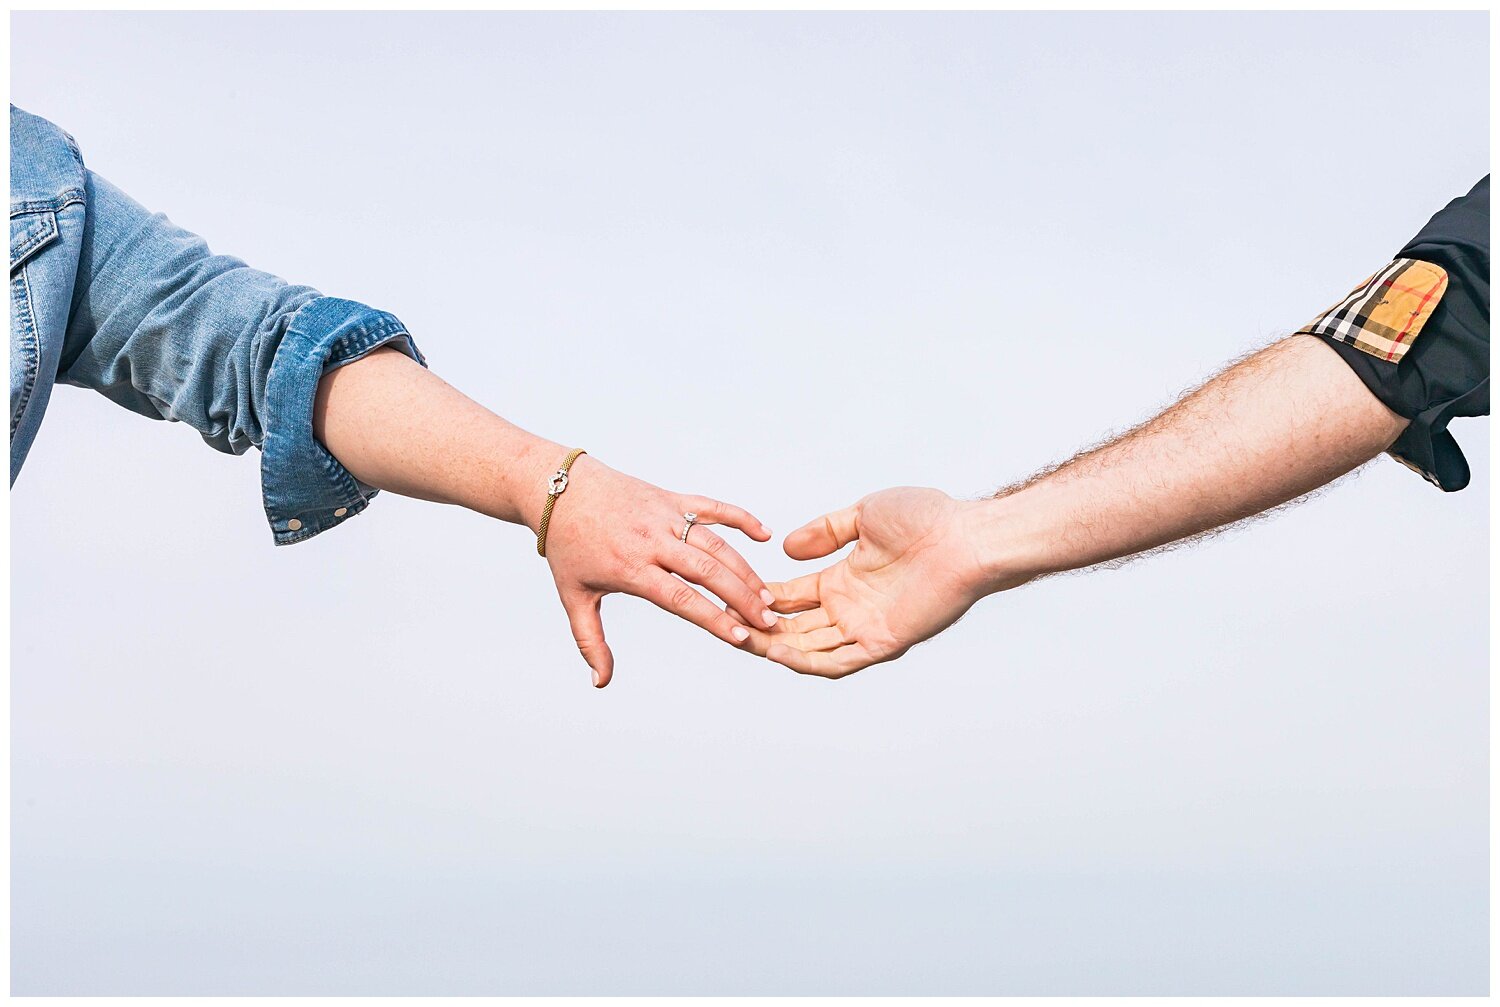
(692, 519)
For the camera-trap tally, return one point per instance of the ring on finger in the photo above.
(689, 519)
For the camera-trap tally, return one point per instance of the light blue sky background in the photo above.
(785, 260)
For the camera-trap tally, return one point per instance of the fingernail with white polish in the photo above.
(769, 616)
(596, 679)
(767, 597)
(740, 633)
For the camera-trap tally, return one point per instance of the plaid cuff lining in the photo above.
(1384, 315)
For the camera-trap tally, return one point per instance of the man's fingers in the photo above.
(725, 553)
(809, 632)
(824, 664)
(678, 597)
(712, 511)
(795, 595)
(588, 633)
(825, 535)
(703, 569)
(827, 638)
(818, 618)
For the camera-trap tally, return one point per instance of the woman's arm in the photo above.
(162, 325)
(399, 427)
(338, 399)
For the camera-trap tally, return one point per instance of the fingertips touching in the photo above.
(678, 597)
(698, 567)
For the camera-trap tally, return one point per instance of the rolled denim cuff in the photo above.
(306, 490)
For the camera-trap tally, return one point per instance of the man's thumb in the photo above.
(825, 535)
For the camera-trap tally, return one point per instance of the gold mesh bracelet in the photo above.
(555, 487)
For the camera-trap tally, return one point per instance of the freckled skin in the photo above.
(401, 428)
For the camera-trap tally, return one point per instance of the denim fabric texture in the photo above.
(109, 296)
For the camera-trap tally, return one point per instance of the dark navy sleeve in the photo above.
(1445, 372)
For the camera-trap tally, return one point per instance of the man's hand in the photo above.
(912, 574)
(611, 532)
(1267, 430)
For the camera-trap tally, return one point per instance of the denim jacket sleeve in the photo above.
(162, 326)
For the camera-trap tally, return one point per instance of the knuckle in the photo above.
(681, 596)
(706, 566)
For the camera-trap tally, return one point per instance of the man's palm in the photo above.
(908, 578)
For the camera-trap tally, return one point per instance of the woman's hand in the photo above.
(610, 532)
(399, 427)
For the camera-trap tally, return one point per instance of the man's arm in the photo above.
(1267, 430)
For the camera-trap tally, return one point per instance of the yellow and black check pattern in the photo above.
(1385, 314)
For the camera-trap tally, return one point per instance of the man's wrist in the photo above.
(1014, 538)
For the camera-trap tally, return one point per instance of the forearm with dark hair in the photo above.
(1267, 430)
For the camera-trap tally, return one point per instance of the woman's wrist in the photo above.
(520, 492)
(497, 469)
